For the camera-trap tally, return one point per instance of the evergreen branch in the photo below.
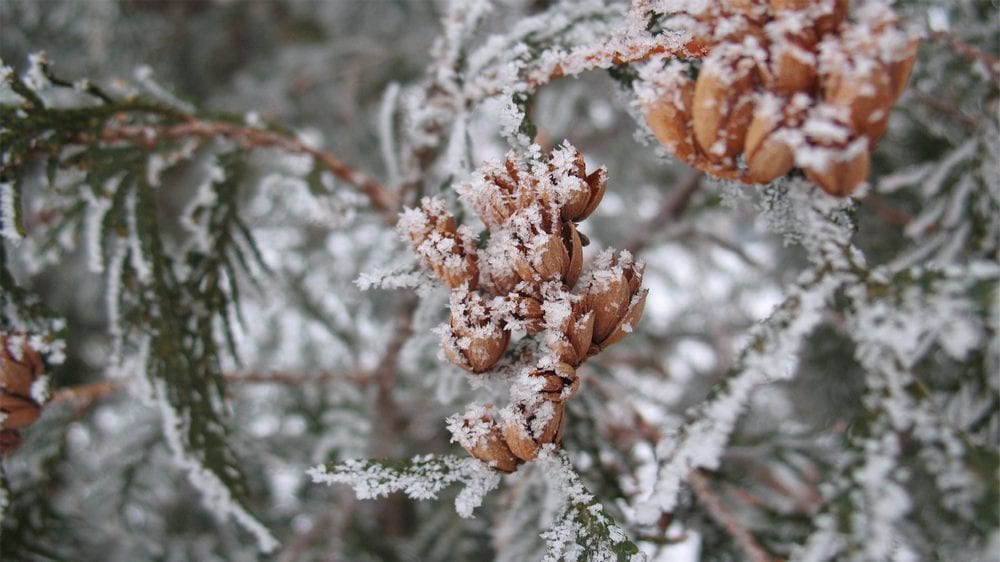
(93, 391)
(253, 138)
(421, 478)
(584, 530)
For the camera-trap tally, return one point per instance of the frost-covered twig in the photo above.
(252, 137)
(988, 62)
(421, 478)
(584, 530)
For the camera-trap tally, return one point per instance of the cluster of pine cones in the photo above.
(20, 368)
(527, 277)
(783, 83)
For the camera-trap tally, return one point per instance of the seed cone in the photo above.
(449, 251)
(20, 367)
(779, 49)
(525, 434)
(522, 279)
(613, 294)
(722, 104)
(478, 432)
(475, 340)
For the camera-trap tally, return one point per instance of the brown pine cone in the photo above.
(476, 337)
(20, 367)
(448, 250)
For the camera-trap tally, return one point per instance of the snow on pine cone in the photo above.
(613, 293)
(785, 83)
(525, 278)
(478, 432)
(448, 250)
(20, 368)
(475, 338)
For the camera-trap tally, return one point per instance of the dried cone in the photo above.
(540, 247)
(613, 294)
(525, 434)
(843, 170)
(10, 440)
(570, 341)
(668, 110)
(767, 152)
(576, 193)
(449, 251)
(864, 91)
(475, 340)
(899, 70)
(527, 310)
(791, 65)
(20, 367)
(723, 103)
(478, 432)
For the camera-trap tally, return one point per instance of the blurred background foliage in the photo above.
(311, 383)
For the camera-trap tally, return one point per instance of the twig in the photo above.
(250, 137)
(886, 212)
(948, 108)
(91, 392)
(620, 49)
(990, 63)
(724, 517)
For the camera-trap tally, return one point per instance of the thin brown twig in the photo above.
(381, 198)
(886, 212)
(948, 108)
(721, 513)
(974, 54)
(94, 391)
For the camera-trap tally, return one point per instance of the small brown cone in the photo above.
(475, 341)
(767, 155)
(10, 439)
(669, 115)
(867, 97)
(20, 411)
(843, 173)
(483, 438)
(19, 368)
(722, 106)
(899, 70)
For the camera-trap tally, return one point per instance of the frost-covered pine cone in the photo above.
(20, 368)
(526, 279)
(785, 83)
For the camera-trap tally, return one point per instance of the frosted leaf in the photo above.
(215, 495)
(8, 214)
(582, 527)
(421, 478)
(771, 355)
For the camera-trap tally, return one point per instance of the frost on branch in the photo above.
(820, 370)
(420, 478)
(528, 276)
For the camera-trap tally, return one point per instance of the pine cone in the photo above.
(475, 340)
(449, 251)
(613, 294)
(783, 50)
(478, 432)
(20, 367)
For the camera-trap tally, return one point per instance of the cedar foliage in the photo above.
(229, 319)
